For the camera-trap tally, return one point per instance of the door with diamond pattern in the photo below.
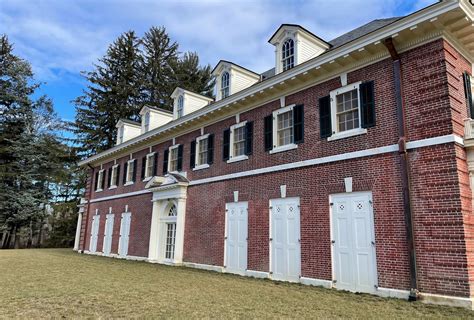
(285, 254)
(236, 237)
(353, 242)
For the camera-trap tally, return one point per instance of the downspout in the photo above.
(404, 166)
(87, 209)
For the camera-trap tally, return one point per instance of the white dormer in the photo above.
(294, 45)
(153, 118)
(186, 102)
(232, 78)
(127, 130)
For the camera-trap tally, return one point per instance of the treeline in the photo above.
(40, 183)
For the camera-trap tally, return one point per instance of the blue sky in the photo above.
(60, 38)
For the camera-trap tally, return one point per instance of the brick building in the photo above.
(348, 165)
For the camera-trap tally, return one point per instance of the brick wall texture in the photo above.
(433, 95)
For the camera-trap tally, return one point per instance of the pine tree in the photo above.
(191, 76)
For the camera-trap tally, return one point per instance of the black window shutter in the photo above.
(268, 132)
(117, 176)
(298, 124)
(192, 159)
(367, 104)
(180, 157)
(125, 167)
(143, 167)
(109, 181)
(226, 145)
(134, 174)
(165, 161)
(468, 94)
(249, 138)
(210, 149)
(325, 116)
(155, 164)
(96, 180)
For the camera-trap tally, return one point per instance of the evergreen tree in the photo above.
(114, 92)
(191, 76)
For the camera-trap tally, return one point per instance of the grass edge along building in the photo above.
(349, 165)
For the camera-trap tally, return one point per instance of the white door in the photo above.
(353, 242)
(285, 256)
(124, 233)
(94, 234)
(236, 237)
(108, 232)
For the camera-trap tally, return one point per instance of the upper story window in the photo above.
(288, 54)
(147, 122)
(225, 85)
(113, 179)
(130, 171)
(283, 129)
(238, 142)
(202, 152)
(173, 159)
(120, 134)
(347, 110)
(180, 108)
(149, 166)
(468, 85)
(100, 180)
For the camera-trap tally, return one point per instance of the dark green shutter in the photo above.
(248, 138)
(468, 94)
(210, 149)
(134, 173)
(367, 99)
(192, 159)
(325, 117)
(298, 124)
(165, 161)
(117, 176)
(268, 132)
(125, 167)
(109, 181)
(155, 164)
(143, 167)
(226, 145)
(180, 157)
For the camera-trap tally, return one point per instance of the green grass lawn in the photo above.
(55, 283)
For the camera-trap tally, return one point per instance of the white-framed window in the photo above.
(130, 172)
(173, 158)
(100, 179)
(120, 134)
(346, 112)
(225, 85)
(202, 152)
(288, 54)
(171, 233)
(150, 161)
(283, 129)
(113, 177)
(180, 107)
(146, 122)
(237, 142)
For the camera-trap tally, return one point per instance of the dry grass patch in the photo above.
(53, 283)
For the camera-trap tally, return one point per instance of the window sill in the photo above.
(128, 183)
(284, 148)
(112, 187)
(147, 179)
(201, 166)
(347, 134)
(237, 159)
(99, 190)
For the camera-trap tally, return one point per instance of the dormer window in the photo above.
(120, 135)
(179, 110)
(147, 121)
(288, 54)
(225, 85)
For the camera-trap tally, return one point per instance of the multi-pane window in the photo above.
(288, 54)
(285, 128)
(120, 134)
(100, 178)
(113, 176)
(225, 85)
(147, 121)
(173, 160)
(347, 110)
(150, 161)
(171, 234)
(180, 108)
(202, 151)
(239, 141)
(130, 171)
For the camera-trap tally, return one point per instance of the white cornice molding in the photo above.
(378, 35)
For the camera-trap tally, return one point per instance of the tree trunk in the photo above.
(16, 238)
(8, 238)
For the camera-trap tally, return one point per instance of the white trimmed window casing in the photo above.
(150, 161)
(130, 166)
(202, 147)
(288, 55)
(113, 177)
(180, 107)
(146, 122)
(173, 158)
(100, 178)
(237, 142)
(346, 112)
(225, 85)
(170, 243)
(120, 134)
(283, 129)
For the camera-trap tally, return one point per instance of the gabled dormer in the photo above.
(295, 45)
(153, 118)
(232, 78)
(127, 129)
(186, 102)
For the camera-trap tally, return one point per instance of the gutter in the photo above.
(404, 167)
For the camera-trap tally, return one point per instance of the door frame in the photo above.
(372, 217)
(120, 244)
(226, 234)
(270, 223)
(94, 229)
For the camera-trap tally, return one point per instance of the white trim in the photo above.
(257, 274)
(450, 138)
(130, 163)
(201, 166)
(392, 293)
(283, 148)
(316, 282)
(347, 134)
(233, 158)
(452, 301)
(203, 266)
(333, 94)
(238, 158)
(276, 148)
(170, 149)
(114, 168)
